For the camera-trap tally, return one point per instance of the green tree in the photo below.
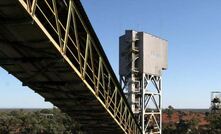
(214, 123)
(47, 121)
(170, 112)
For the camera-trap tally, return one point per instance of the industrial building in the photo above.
(142, 58)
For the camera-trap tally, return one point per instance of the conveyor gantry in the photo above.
(51, 47)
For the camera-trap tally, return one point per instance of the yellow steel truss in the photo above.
(72, 38)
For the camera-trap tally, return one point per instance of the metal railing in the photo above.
(64, 25)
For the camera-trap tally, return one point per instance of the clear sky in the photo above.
(192, 28)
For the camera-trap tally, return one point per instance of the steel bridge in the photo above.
(51, 47)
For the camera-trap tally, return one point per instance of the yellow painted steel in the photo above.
(98, 79)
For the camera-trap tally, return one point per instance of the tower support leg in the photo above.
(151, 113)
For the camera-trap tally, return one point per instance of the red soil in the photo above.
(186, 116)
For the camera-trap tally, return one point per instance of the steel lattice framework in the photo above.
(143, 86)
(78, 45)
(151, 115)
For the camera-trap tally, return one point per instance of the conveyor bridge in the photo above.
(51, 47)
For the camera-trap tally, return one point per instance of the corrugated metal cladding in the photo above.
(152, 52)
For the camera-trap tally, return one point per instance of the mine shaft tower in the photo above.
(215, 102)
(142, 59)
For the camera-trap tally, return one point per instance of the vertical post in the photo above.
(67, 28)
(143, 103)
(151, 119)
(33, 7)
(57, 22)
(211, 103)
(161, 103)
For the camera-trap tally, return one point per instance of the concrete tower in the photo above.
(142, 59)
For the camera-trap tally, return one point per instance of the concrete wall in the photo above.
(152, 53)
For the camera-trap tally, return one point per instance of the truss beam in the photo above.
(75, 40)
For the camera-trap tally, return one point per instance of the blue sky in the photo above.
(192, 28)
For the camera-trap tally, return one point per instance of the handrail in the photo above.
(67, 27)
